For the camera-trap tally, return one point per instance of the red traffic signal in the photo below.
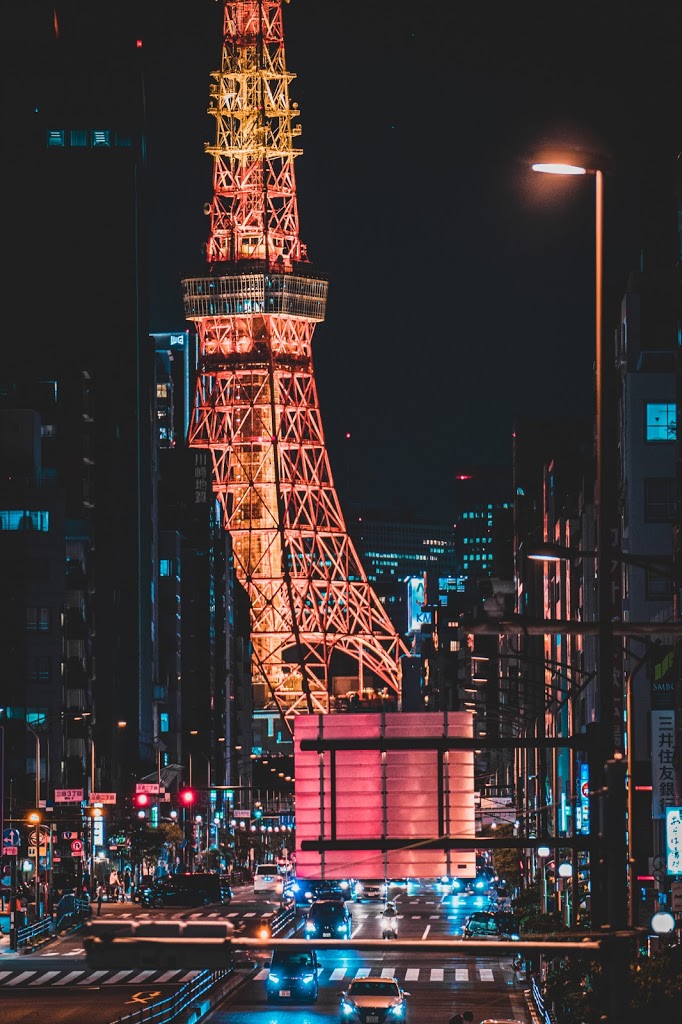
(141, 800)
(187, 797)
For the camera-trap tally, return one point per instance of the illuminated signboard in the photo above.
(662, 761)
(673, 840)
(403, 794)
(415, 604)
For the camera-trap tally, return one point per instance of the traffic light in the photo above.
(258, 813)
(141, 802)
(187, 797)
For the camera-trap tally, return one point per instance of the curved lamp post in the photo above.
(610, 888)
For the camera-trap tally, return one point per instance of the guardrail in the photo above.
(546, 1015)
(28, 933)
(168, 1009)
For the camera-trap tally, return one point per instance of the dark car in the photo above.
(486, 924)
(194, 889)
(306, 891)
(293, 976)
(329, 919)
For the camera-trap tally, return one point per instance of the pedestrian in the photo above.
(127, 884)
(100, 897)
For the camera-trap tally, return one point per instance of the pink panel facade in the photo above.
(394, 794)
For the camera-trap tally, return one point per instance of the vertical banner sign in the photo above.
(673, 840)
(2, 779)
(662, 761)
(583, 801)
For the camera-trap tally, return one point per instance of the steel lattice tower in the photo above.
(256, 407)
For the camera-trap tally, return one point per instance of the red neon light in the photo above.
(643, 789)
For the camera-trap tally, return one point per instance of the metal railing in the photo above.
(546, 1015)
(168, 1009)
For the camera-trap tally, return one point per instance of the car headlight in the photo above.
(456, 884)
(515, 938)
(310, 927)
(294, 887)
(347, 1009)
(308, 979)
(344, 885)
(342, 929)
(398, 1010)
(479, 884)
(273, 979)
(308, 895)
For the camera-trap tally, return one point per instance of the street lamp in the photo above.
(610, 888)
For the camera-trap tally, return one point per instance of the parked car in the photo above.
(293, 976)
(487, 924)
(329, 919)
(375, 1000)
(370, 889)
(186, 889)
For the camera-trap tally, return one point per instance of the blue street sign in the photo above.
(11, 837)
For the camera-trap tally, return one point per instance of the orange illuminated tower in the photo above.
(256, 407)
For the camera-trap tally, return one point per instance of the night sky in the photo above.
(461, 285)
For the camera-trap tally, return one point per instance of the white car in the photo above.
(372, 889)
(374, 1001)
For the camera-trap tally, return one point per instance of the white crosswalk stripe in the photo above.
(412, 974)
(72, 975)
(388, 972)
(20, 978)
(437, 974)
(119, 976)
(48, 976)
(93, 978)
(262, 975)
(486, 974)
(461, 974)
(363, 972)
(167, 976)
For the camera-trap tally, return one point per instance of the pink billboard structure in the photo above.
(403, 788)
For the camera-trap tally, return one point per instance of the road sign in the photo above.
(10, 837)
(242, 814)
(68, 796)
(76, 846)
(146, 787)
(102, 798)
(10, 851)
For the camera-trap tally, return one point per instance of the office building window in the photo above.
(164, 724)
(37, 620)
(661, 422)
(660, 500)
(38, 669)
(659, 586)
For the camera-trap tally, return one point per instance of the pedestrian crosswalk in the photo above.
(86, 978)
(411, 974)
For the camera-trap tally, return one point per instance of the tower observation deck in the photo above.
(256, 405)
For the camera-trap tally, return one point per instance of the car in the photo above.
(328, 919)
(374, 1001)
(293, 975)
(488, 924)
(186, 889)
(307, 890)
(370, 889)
(267, 879)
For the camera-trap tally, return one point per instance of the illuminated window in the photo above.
(164, 723)
(661, 422)
(24, 519)
(162, 391)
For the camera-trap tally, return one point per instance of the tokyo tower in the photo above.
(256, 405)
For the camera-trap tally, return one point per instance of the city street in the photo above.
(55, 983)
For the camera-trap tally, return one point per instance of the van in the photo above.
(268, 879)
(293, 976)
(186, 890)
